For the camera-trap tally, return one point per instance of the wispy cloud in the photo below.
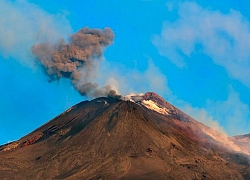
(201, 115)
(126, 80)
(229, 116)
(232, 113)
(23, 24)
(225, 38)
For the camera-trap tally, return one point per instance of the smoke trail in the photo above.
(76, 59)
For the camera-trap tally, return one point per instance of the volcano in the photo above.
(136, 137)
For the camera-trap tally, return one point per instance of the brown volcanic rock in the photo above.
(108, 138)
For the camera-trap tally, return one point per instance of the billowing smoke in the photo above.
(76, 59)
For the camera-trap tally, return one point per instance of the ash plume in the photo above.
(76, 59)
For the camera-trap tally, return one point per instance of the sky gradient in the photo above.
(195, 54)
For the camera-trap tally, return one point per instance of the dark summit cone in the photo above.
(109, 138)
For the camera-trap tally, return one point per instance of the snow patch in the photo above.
(139, 99)
(153, 106)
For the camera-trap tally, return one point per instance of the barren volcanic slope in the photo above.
(108, 138)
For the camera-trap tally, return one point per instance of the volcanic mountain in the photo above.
(136, 137)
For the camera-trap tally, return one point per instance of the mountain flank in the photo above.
(112, 138)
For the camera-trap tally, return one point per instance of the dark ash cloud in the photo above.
(76, 59)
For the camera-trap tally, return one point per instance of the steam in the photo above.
(76, 59)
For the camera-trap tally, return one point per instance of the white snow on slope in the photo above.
(146, 103)
(153, 106)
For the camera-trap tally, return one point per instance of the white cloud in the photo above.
(126, 80)
(23, 24)
(201, 115)
(223, 37)
(229, 116)
(232, 113)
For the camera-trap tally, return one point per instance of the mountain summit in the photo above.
(137, 137)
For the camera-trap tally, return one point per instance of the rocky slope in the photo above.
(156, 103)
(109, 138)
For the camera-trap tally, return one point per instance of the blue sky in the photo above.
(193, 53)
